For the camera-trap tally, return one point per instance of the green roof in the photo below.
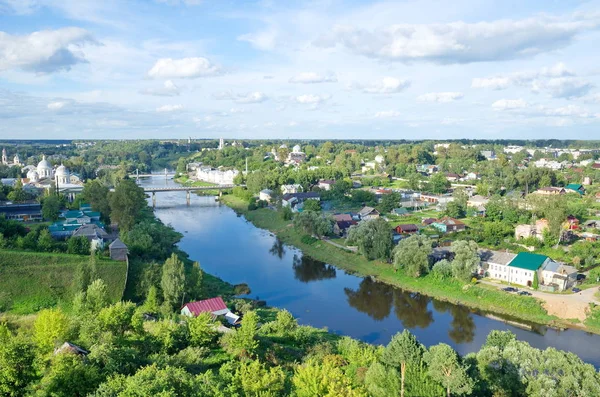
(574, 186)
(528, 261)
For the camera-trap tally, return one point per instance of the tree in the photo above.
(466, 259)
(445, 367)
(45, 241)
(96, 194)
(438, 183)
(69, 376)
(126, 204)
(412, 254)
(117, 318)
(320, 379)
(18, 195)
(194, 281)
(312, 205)
(382, 381)
(442, 269)
(257, 380)
(96, 296)
(202, 330)
(242, 342)
(313, 223)
(373, 238)
(78, 245)
(403, 350)
(455, 210)
(17, 365)
(536, 281)
(173, 281)
(51, 326)
(51, 207)
(389, 202)
(151, 304)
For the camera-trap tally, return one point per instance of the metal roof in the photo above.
(528, 261)
(208, 305)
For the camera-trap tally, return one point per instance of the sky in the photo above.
(423, 69)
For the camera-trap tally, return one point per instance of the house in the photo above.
(94, 234)
(293, 199)
(596, 166)
(408, 228)
(215, 306)
(342, 217)
(118, 250)
(400, 211)
(427, 168)
(367, 213)
(572, 223)
(265, 195)
(537, 230)
(550, 191)
(62, 230)
(558, 275)
(473, 176)
(325, 184)
(523, 266)
(340, 228)
(428, 221)
(23, 212)
(452, 177)
(477, 201)
(291, 189)
(439, 253)
(591, 237)
(575, 187)
(449, 225)
(495, 264)
(68, 347)
(489, 154)
(592, 223)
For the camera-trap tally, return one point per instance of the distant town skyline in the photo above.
(173, 69)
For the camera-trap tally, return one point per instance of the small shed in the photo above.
(215, 306)
(118, 250)
(407, 228)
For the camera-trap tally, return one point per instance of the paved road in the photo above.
(565, 306)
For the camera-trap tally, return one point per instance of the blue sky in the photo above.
(88, 69)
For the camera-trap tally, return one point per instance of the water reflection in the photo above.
(278, 249)
(372, 298)
(462, 326)
(412, 309)
(307, 269)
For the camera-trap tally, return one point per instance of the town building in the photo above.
(325, 184)
(550, 191)
(215, 306)
(217, 176)
(294, 200)
(265, 195)
(406, 228)
(23, 212)
(367, 213)
(449, 225)
(291, 189)
(95, 234)
(489, 154)
(296, 156)
(575, 187)
(536, 230)
(118, 250)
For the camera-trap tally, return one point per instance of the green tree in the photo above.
(194, 281)
(45, 241)
(466, 259)
(412, 254)
(321, 379)
(455, 210)
(96, 296)
(17, 365)
(69, 376)
(313, 223)
(51, 326)
(243, 342)
(202, 329)
(51, 207)
(257, 380)
(382, 381)
(402, 351)
(17, 194)
(536, 281)
(445, 367)
(373, 238)
(151, 304)
(173, 281)
(438, 183)
(117, 318)
(312, 205)
(96, 194)
(78, 245)
(389, 202)
(126, 204)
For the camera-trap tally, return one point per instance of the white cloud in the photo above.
(461, 42)
(44, 51)
(440, 97)
(169, 108)
(236, 110)
(494, 83)
(265, 41)
(386, 114)
(180, 2)
(312, 78)
(387, 85)
(223, 95)
(569, 110)
(253, 97)
(56, 105)
(509, 104)
(185, 68)
(311, 99)
(451, 121)
(169, 88)
(292, 123)
(563, 87)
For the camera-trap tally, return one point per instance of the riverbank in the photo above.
(481, 297)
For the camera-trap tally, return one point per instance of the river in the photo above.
(321, 295)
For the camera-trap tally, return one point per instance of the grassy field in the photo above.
(477, 296)
(30, 281)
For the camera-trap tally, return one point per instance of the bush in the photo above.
(307, 239)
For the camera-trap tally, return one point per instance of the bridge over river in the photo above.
(187, 189)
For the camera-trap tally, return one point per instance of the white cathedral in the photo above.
(16, 159)
(44, 171)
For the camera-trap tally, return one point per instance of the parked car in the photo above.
(510, 289)
(524, 293)
(576, 290)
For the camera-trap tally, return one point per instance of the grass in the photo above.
(477, 296)
(30, 281)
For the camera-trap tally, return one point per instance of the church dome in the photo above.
(32, 175)
(297, 149)
(44, 164)
(61, 171)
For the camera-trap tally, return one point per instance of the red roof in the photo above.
(208, 305)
